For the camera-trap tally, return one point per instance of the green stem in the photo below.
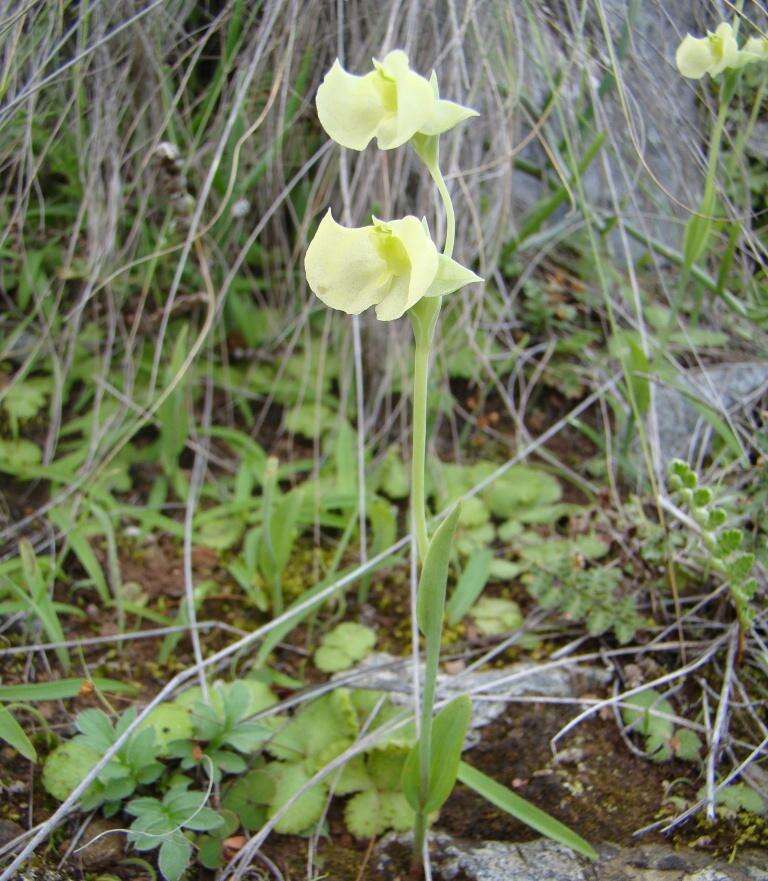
(431, 663)
(419, 837)
(424, 317)
(450, 215)
(418, 455)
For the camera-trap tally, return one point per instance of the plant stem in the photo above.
(450, 215)
(424, 317)
(431, 662)
(419, 451)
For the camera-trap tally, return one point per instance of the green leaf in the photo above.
(626, 346)
(697, 230)
(502, 797)
(306, 810)
(12, 733)
(729, 541)
(393, 478)
(496, 615)
(434, 576)
(343, 646)
(174, 857)
(470, 585)
(640, 714)
(60, 689)
(249, 797)
(169, 722)
(687, 744)
(449, 729)
(66, 766)
(739, 796)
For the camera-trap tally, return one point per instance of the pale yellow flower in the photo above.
(755, 49)
(390, 265)
(712, 54)
(391, 103)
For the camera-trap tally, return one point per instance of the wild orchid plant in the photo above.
(395, 267)
(715, 54)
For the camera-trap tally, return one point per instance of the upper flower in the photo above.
(711, 54)
(391, 103)
(390, 265)
(755, 49)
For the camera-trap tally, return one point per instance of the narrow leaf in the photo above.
(434, 576)
(470, 585)
(502, 797)
(11, 732)
(448, 732)
(60, 689)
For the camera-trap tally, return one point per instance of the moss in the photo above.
(726, 835)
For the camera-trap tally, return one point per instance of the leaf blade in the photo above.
(502, 797)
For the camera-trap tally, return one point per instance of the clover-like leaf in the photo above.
(67, 766)
(307, 809)
(496, 615)
(343, 646)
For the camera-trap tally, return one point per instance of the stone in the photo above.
(102, 845)
(654, 156)
(393, 675)
(729, 388)
(545, 860)
(8, 831)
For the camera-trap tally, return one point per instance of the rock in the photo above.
(650, 155)
(102, 845)
(384, 672)
(725, 387)
(757, 145)
(544, 860)
(8, 831)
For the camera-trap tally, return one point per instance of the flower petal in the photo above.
(693, 57)
(422, 256)
(395, 302)
(726, 49)
(445, 115)
(344, 267)
(755, 49)
(415, 101)
(350, 107)
(450, 277)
